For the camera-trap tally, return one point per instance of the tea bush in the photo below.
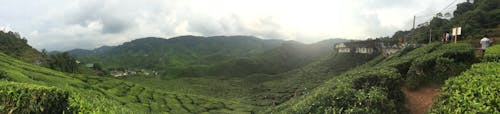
(375, 87)
(492, 54)
(437, 66)
(75, 93)
(474, 91)
(374, 90)
(28, 98)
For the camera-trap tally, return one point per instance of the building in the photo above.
(359, 47)
(367, 47)
(342, 48)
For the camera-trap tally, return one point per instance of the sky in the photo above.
(87, 24)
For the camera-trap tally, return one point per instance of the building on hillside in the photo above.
(388, 49)
(342, 48)
(367, 47)
(359, 47)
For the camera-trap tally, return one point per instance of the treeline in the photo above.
(12, 44)
(65, 62)
(478, 18)
(60, 62)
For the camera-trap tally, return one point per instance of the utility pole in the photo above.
(413, 29)
(430, 34)
(414, 22)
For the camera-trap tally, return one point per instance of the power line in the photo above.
(448, 5)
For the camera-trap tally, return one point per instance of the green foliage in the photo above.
(94, 94)
(62, 62)
(259, 89)
(492, 54)
(439, 65)
(462, 8)
(27, 98)
(476, 19)
(255, 71)
(474, 91)
(375, 87)
(188, 56)
(176, 56)
(13, 45)
(373, 90)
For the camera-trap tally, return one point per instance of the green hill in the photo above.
(474, 91)
(61, 92)
(245, 74)
(174, 56)
(213, 56)
(477, 18)
(14, 45)
(258, 78)
(375, 86)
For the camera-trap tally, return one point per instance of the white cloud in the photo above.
(63, 25)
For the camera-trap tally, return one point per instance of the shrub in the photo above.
(437, 66)
(3, 75)
(474, 91)
(27, 98)
(492, 54)
(372, 90)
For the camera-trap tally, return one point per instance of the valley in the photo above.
(410, 72)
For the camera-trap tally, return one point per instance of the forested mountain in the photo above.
(175, 54)
(200, 56)
(255, 67)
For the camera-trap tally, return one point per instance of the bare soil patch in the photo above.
(420, 100)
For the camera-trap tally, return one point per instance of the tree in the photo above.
(44, 52)
(63, 62)
(462, 8)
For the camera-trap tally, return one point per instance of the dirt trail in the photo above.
(420, 100)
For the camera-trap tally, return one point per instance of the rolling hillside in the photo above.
(376, 86)
(61, 92)
(14, 45)
(253, 78)
(229, 56)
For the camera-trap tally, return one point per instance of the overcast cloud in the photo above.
(87, 24)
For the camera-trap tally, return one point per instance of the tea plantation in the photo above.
(25, 88)
(375, 86)
(474, 91)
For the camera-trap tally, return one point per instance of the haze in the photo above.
(87, 24)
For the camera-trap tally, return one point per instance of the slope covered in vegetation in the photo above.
(375, 86)
(474, 91)
(260, 89)
(61, 92)
(188, 56)
(477, 18)
(14, 45)
(175, 56)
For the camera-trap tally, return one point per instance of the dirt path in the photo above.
(420, 100)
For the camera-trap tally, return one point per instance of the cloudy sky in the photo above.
(87, 24)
